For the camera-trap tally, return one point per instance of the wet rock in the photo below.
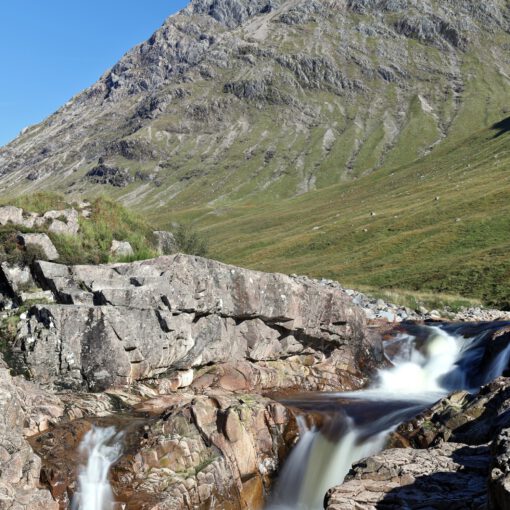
(460, 417)
(216, 450)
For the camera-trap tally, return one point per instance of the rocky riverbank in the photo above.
(178, 351)
(183, 354)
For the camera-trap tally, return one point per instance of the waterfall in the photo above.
(422, 373)
(101, 447)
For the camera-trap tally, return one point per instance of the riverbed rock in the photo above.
(119, 323)
(24, 410)
(181, 451)
(450, 476)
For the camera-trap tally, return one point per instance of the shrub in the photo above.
(189, 241)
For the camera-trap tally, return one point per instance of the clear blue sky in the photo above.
(52, 49)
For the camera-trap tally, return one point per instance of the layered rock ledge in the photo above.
(115, 324)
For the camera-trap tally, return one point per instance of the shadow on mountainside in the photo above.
(501, 127)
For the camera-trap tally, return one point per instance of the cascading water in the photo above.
(359, 422)
(102, 447)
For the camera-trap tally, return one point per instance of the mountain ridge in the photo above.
(293, 88)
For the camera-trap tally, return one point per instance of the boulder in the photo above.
(42, 241)
(19, 278)
(11, 214)
(165, 242)
(121, 249)
(64, 222)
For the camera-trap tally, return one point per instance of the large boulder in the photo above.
(138, 321)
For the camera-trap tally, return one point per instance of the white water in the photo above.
(102, 447)
(418, 377)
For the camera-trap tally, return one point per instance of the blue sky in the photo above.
(52, 49)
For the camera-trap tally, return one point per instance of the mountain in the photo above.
(235, 109)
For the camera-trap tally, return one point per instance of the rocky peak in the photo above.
(232, 13)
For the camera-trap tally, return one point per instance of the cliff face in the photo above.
(235, 99)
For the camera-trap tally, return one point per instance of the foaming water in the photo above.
(102, 447)
(422, 372)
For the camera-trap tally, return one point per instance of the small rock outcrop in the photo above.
(165, 242)
(41, 241)
(64, 222)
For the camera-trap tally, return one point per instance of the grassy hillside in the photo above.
(439, 224)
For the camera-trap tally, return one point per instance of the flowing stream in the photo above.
(427, 364)
(101, 447)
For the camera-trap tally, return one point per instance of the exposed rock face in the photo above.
(216, 450)
(219, 69)
(124, 322)
(451, 476)
(24, 409)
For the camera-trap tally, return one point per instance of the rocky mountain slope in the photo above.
(232, 99)
(333, 138)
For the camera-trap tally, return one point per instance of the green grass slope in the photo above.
(440, 224)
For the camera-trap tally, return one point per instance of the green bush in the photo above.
(190, 242)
